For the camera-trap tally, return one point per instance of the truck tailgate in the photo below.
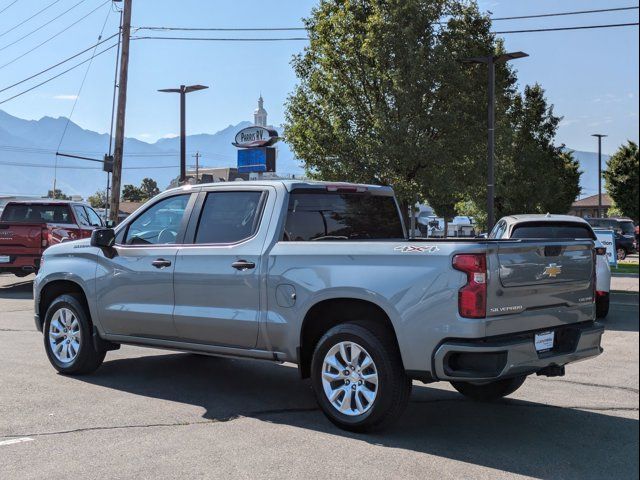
(20, 238)
(540, 274)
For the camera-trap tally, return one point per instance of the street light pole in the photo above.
(183, 90)
(600, 137)
(491, 62)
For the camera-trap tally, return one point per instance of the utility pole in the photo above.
(600, 137)
(122, 106)
(197, 157)
(183, 90)
(491, 122)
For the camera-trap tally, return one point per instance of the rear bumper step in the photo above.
(512, 355)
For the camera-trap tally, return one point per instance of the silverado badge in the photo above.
(553, 270)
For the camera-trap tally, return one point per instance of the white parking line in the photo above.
(15, 440)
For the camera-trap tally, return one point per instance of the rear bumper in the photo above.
(511, 355)
(21, 263)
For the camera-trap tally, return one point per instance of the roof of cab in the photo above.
(532, 217)
(291, 185)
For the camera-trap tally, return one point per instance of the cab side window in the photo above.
(81, 215)
(498, 230)
(160, 224)
(94, 219)
(229, 217)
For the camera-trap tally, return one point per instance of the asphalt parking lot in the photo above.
(150, 413)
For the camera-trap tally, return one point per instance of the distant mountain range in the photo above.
(27, 153)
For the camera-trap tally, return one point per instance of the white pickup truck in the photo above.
(322, 275)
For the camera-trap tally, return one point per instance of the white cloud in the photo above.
(144, 135)
(170, 135)
(65, 97)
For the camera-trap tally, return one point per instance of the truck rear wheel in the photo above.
(68, 338)
(486, 392)
(358, 377)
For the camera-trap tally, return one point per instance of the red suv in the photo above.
(27, 228)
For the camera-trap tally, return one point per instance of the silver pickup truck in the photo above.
(322, 275)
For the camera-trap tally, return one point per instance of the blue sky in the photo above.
(590, 75)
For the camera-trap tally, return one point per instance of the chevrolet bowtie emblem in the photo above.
(553, 270)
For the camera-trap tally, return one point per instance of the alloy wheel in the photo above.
(64, 335)
(349, 378)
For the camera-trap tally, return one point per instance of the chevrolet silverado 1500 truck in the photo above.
(321, 275)
(27, 228)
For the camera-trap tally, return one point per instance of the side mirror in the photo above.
(109, 224)
(103, 237)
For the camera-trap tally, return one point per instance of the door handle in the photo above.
(161, 263)
(243, 265)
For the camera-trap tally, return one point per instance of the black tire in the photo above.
(487, 392)
(88, 359)
(602, 306)
(621, 253)
(394, 387)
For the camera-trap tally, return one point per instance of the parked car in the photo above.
(561, 226)
(626, 242)
(321, 275)
(27, 228)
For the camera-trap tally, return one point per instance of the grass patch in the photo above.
(626, 268)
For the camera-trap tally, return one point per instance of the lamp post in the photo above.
(491, 120)
(183, 90)
(600, 137)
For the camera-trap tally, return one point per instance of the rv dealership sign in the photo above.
(255, 137)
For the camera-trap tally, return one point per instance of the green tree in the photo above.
(383, 99)
(533, 175)
(98, 199)
(149, 188)
(57, 195)
(131, 193)
(621, 176)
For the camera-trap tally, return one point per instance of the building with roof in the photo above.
(587, 207)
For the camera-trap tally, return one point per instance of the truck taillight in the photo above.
(601, 251)
(472, 298)
(45, 238)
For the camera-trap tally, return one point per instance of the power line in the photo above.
(7, 7)
(289, 29)
(58, 75)
(44, 151)
(242, 39)
(560, 14)
(57, 64)
(41, 26)
(559, 29)
(42, 165)
(75, 100)
(26, 20)
(223, 39)
(54, 36)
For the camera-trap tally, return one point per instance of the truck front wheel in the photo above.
(358, 377)
(486, 392)
(68, 337)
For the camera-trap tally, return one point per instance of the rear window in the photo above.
(36, 213)
(552, 230)
(342, 216)
(627, 228)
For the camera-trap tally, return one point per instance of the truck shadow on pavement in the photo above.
(521, 437)
(17, 290)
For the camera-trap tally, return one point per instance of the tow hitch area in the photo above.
(551, 371)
